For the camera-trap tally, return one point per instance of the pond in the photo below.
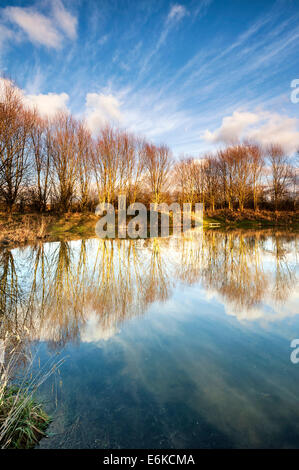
(182, 342)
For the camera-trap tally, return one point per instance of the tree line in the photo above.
(56, 164)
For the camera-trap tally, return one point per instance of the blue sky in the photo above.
(192, 74)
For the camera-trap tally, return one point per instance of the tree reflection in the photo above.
(54, 292)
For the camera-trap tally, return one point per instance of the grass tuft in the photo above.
(22, 419)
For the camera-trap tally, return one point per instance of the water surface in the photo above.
(168, 343)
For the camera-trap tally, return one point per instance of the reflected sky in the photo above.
(169, 343)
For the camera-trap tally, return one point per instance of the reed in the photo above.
(23, 421)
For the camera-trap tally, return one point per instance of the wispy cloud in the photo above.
(47, 30)
(168, 70)
(103, 40)
(38, 27)
(5, 34)
(177, 12)
(66, 21)
(201, 8)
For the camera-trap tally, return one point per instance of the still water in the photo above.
(167, 343)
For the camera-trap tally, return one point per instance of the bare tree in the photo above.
(256, 163)
(241, 162)
(157, 164)
(15, 125)
(136, 173)
(211, 179)
(199, 180)
(234, 169)
(227, 171)
(106, 164)
(41, 162)
(279, 173)
(64, 154)
(183, 177)
(84, 156)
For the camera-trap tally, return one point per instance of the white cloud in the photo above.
(232, 127)
(275, 311)
(278, 129)
(38, 27)
(48, 105)
(66, 21)
(263, 127)
(93, 331)
(100, 109)
(177, 12)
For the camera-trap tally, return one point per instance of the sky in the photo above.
(194, 75)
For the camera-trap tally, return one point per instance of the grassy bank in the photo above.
(22, 420)
(17, 229)
(251, 219)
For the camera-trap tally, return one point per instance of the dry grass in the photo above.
(22, 231)
(22, 420)
(16, 229)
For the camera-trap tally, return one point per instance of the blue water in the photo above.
(167, 343)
